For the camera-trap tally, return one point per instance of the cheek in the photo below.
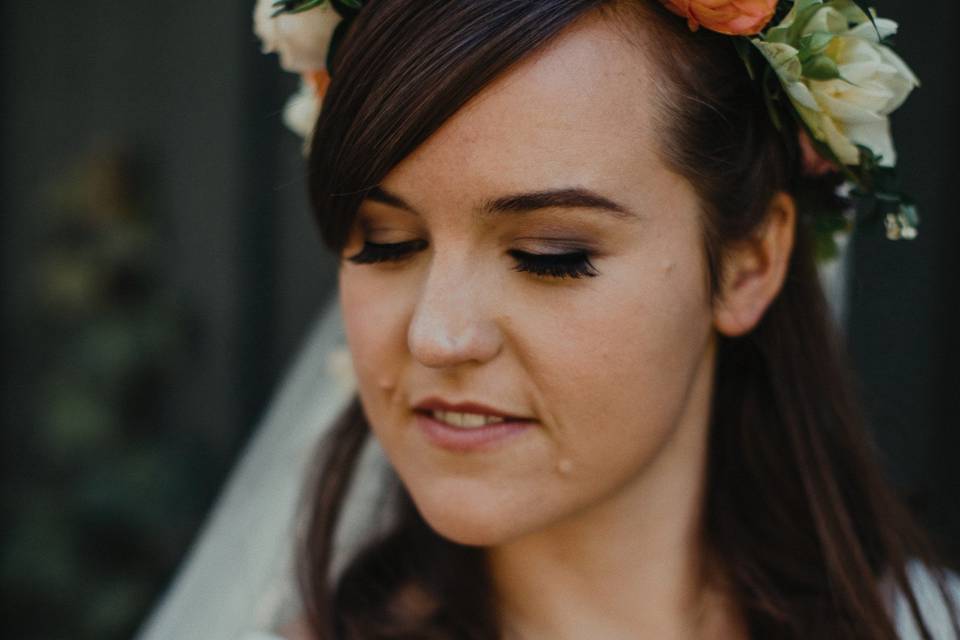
(615, 374)
(631, 343)
(373, 321)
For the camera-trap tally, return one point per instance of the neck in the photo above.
(632, 565)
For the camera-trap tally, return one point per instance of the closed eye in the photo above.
(546, 265)
(555, 265)
(373, 252)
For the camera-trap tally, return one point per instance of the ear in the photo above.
(754, 270)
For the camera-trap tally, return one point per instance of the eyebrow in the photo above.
(566, 198)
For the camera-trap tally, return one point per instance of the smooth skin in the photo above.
(592, 519)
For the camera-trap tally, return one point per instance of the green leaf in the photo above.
(782, 58)
(825, 225)
(814, 44)
(869, 161)
(852, 10)
(856, 12)
(294, 6)
(777, 35)
(803, 18)
(825, 247)
(745, 50)
(909, 211)
(781, 32)
(770, 96)
(821, 68)
(804, 5)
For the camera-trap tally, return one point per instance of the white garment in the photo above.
(935, 612)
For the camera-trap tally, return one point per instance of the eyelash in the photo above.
(559, 265)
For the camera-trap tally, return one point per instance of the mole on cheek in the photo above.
(565, 466)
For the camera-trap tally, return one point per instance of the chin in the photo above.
(468, 520)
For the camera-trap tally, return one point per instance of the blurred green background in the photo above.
(159, 267)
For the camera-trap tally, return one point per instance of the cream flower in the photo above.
(842, 81)
(301, 39)
(302, 110)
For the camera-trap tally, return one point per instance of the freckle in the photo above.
(668, 266)
(565, 466)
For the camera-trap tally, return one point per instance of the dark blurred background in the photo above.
(158, 268)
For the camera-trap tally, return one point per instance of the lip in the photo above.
(435, 403)
(477, 439)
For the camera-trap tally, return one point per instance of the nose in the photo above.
(453, 322)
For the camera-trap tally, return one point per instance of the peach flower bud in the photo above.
(732, 17)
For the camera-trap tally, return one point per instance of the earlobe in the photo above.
(754, 270)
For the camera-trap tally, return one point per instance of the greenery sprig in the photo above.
(803, 54)
(299, 6)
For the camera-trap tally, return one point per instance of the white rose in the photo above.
(302, 110)
(870, 81)
(301, 39)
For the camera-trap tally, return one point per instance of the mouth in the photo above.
(461, 431)
(466, 414)
(470, 420)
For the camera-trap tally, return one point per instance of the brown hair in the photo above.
(797, 509)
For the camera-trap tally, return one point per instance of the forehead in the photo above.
(577, 113)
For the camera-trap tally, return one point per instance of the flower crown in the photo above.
(828, 63)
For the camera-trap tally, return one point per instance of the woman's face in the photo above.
(555, 158)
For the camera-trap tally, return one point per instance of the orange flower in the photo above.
(732, 17)
(318, 81)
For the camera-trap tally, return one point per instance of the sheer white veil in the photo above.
(238, 578)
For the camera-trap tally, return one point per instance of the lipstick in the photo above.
(467, 426)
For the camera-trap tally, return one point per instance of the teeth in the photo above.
(465, 420)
